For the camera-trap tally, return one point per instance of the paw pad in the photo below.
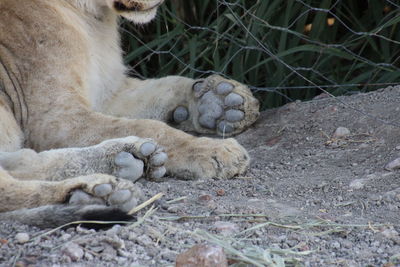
(233, 100)
(119, 197)
(224, 88)
(130, 168)
(181, 114)
(102, 190)
(147, 149)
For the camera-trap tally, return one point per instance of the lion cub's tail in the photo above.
(51, 216)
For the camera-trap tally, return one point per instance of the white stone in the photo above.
(22, 238)
(73, 251)
(357, 184)
(393, 165)
(341, 132)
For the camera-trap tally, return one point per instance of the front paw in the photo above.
(218, 106)
(133, 157)
(204, 158)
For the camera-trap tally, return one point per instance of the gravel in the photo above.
(326, 198)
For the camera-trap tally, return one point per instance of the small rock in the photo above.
(341, 132)
(202, 256)
(65, 237)
(109, 253)
(88, 256)
(114, 230)
(205, 197)
(114, 241)
(357, 184)
(145, 241)
(73, 251)
(220, 192)
(20, 264)
(391, 234)
(174, 208)
(321, 96)
(22, 238)
(225, 228)
(393, 165)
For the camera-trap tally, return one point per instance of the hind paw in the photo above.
(118, 193)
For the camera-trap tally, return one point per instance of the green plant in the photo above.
(285, 50)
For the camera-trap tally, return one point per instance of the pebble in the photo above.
(145, 241)
(393, 165)
(114, 230)
(205, 198)
(391, 234)
(220, 192)
(202, 256)
(341, 132)
(225, 228)
(88, 256)
(357, 184)
(22, 238)
(73, 251)
(65, 237)
(109, 253)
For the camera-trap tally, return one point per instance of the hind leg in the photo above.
(92, 189)
(211, 106)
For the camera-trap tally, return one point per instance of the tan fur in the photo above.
(61, 73)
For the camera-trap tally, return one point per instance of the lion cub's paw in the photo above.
(118, 193)
(219, 106)
(135, 157)
(209, 158)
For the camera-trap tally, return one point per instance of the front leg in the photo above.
(129, 158)
(211, 106)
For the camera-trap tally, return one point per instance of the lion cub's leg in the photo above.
(11, 136)
(211, 106)
(83, 190)
(130, 158)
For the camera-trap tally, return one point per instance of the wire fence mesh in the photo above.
(284, 50)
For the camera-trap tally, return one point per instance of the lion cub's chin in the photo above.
(140, 17)
(137, 11)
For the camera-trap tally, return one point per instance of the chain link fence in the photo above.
(284, 50)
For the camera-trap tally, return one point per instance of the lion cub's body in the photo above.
(63, 84)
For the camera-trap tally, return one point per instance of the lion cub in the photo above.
(76, 132)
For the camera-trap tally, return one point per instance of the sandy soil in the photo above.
(310, 199)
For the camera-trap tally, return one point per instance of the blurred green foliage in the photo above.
(284, 50)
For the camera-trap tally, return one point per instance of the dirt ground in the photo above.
(309, 199)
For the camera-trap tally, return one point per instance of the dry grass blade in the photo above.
(179, 199)
(253, 255)
(146, 203)
(76, 223)
(141, 220)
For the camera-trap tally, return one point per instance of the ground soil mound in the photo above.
(311, 197)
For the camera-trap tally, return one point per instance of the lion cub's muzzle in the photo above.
(136, 6)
